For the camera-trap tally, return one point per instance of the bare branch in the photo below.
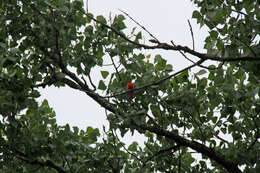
(87, 6)
(179, 164)
(183, 54)
(114, 65)
(139, 25)
(132, 154)
(191, 32)
(90, 80)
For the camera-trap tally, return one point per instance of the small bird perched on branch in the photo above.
(130, 86)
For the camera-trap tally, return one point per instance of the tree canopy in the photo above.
(202, 121)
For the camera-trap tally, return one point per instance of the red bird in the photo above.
(130, 86)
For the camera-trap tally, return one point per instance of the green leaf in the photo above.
(121, 17)
(89, 17)
(133, 147)
(138, 36)
(160, 62)
(104, 74)
(196, 14)
(118, 22)
(219, 17)
(213, 34)
(168, 68)
(183, 77)
(101, 19)
(201, 72)
(102, 85)
(35, 94)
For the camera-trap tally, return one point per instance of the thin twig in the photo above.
(192, 36)
(115, 135)
(115, 68)
(85, 82)
(116, 153)
(202, 66)
(87, 6)
(183, 53)
(107, 64)
(92, 84)
(67, 162)
(179, 163)
(132, 154)
(139, 25)
(257, 135)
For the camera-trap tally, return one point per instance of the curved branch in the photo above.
(157, 82)
(211, 153)
(166, 46)
(76, 83)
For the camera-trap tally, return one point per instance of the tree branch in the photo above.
(192, 36)
(166, 46)
(156, 82)
(46, 163)
(139, 25)
(202, 66)
(211, 153)
(77, 84)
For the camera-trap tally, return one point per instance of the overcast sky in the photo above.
(166, 19)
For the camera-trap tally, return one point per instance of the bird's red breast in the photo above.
(130, 86)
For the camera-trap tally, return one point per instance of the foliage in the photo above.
(214, 112)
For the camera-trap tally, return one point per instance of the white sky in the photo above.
(166, 19)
